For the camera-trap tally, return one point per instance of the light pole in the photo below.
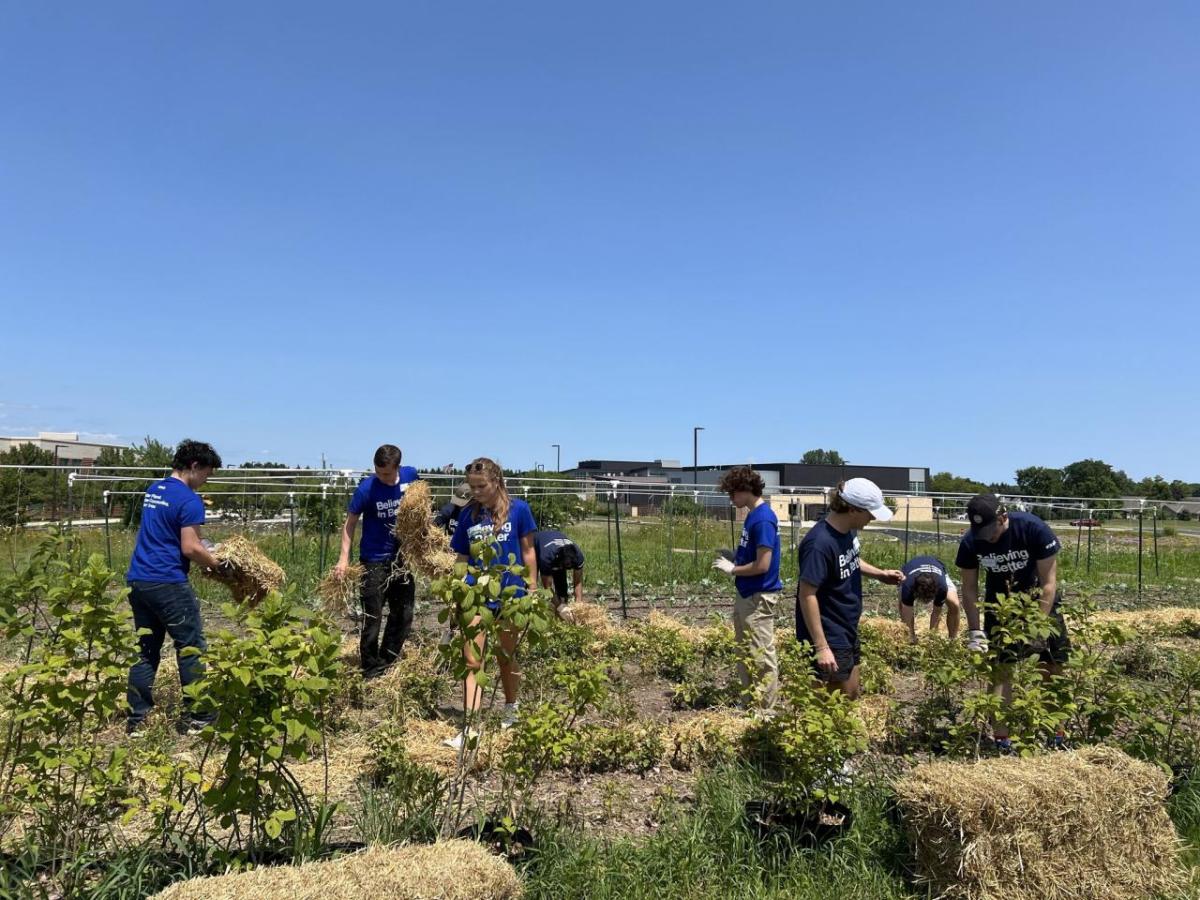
(696, 452)
(557, 457)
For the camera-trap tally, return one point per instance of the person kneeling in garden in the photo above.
(829, 596)
(927, 581)
(508, 524)
(160, 594)
(1019, 552)
(755, 571)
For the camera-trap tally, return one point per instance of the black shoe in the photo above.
(136, 729)
(189, 725)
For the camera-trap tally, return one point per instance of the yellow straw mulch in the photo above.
(249, 574)
(424, 547)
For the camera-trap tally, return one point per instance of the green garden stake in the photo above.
(907, 507)
(671, 532)
(107, 537)
(292, 512)
(608, 527)
(1154, 522)
(695, 529)
(324, 494)
(937, 518)
(1089, 556)
(620, 558)
(1079, 537)
(1140, 531)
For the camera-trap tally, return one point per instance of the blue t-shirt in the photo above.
(1011, 562)
(829, 562)
(761, 529)
(520, 523)
(376, 502)
(170, 506)
(918, 565)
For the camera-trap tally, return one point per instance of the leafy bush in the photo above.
(77, 645)
(268, 690)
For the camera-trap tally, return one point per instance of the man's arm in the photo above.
(347, 539)
(761, 564)
(887, 576)
(1048, 577)
(191, 544)
(577, 581)
(810, 609)
(970, 596)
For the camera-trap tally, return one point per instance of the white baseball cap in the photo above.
(865, 494)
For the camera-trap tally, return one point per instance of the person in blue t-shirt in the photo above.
(829, 596)
(161, 597)
(557, 553)
(481, 520)
(383, 581)
(1018, 551)
(755, 571)
(927, 581)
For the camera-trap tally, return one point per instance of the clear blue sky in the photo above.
(944, 234)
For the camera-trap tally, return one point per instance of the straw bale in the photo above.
(709, 737)
(448, 870)
(423, 741)
(891, 632)
(875, 713)
(1167, 621)
(250, 574)
(338, 593)
(595, 618)
(350, 760)
(1087, 824)
(424, 547)
(690, 633)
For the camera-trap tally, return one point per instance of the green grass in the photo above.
(707, 852)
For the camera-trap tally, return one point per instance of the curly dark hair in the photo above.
(742, 478)
(190, 453)
(925, 587)
(387, 455)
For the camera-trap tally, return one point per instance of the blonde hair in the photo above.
(490, 470)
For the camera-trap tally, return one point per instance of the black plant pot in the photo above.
(513, 845)
(807, 826)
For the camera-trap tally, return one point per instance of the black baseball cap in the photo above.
(983, 510)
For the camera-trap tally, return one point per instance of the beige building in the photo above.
(68, 449)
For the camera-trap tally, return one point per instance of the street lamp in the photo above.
(696, 451)
(557, 457)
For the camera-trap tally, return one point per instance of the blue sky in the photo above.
(943, 234)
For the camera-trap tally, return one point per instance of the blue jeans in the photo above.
(163, 609)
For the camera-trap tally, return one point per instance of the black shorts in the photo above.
(847, 658)
(1056, 649)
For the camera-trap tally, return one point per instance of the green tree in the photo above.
(949, 483)
(25, 492)
(821, 457)
(1155, 488)
(1094, 478)
(1040, 481)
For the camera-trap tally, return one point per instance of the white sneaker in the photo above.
(509, 717)
(456, 742)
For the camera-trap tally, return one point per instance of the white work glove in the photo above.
(977, 641)
(724, 565)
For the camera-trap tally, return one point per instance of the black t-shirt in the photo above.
(447, 518)
(916, 566)
(829, 561)
(1011, 562)
(549, 544)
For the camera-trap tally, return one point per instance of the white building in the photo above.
(65, 445)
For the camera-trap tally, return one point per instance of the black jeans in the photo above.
(162, 609)
(380, 585)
